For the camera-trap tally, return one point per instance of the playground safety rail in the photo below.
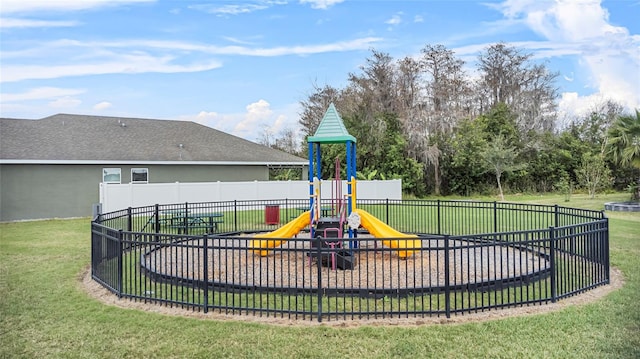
(475, 256)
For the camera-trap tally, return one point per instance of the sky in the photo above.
(244, 66)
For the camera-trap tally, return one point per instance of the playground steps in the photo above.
(329, 237)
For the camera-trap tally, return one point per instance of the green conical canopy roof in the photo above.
(331, 129)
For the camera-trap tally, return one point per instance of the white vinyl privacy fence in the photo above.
(119, 196)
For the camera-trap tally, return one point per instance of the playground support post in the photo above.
(311, 153)
(349, 175)
(314, 171)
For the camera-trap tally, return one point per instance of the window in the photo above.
(111, 175)
(139, 175)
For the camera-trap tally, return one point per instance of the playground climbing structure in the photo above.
(330, 229)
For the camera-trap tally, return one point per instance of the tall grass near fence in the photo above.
(46, 313)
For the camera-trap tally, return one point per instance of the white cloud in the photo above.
(229, 9)
(418, 18)
(116, 57)
(202, 117)
(396, 19)
(40, 93)
(257, 117)
(321, 4)
(338, 46)
(260, 109)
(572, 105)
(570, 102)
(260, 117)
(569, 20)
(608, 53)
(237, 41)
(102, 106)
(251, 124)
(126, 64)
(6, 23)
(20, 105)
(281, 123)
(24, 6)
(65, 103)
(222, 122)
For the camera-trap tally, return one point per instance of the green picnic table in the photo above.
(185, 222)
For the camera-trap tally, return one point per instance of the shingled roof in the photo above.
(65, 138)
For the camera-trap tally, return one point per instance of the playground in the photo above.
(376, 268)
(341, 255)
(344, 219)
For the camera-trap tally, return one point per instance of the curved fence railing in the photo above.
(472, 256)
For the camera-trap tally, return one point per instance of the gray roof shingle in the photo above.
(66, 137)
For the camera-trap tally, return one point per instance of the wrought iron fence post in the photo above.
(387, 210)
(319, 285)
(185, 219)
(129, 220)
(439, 220)
(447, 284)
(286, 209)
(235, 215)
(93, 249)
(552, 262)
(120, 274)
(157, 224)
(206, 273)
(495, 216)
(556, 219)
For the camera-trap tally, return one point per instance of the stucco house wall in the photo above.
(63, 191)
(52, 168)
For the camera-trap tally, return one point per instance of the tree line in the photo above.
(444, 131)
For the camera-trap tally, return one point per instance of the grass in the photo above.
(44, 312)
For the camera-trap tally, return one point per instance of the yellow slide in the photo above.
(379, 229)
(287, 231)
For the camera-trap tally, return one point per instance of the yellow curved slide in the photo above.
(379, 229)
(287, 231)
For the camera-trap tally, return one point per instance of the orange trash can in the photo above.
(272, 214)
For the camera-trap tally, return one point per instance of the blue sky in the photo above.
(243, 66)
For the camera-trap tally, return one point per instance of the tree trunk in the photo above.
(500, 188)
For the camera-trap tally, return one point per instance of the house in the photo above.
(52, 167)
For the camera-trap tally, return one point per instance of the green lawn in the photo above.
(44, 312)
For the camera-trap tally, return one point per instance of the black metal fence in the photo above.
(472, 256)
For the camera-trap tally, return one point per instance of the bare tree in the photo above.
(409, 83)
(369, 96)
(502, 70)
(508, 76)
(266, 136)
(288, 141)
(314, 107)
(409, 89)
(377, 83)
(446, 85)
(447, 101)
